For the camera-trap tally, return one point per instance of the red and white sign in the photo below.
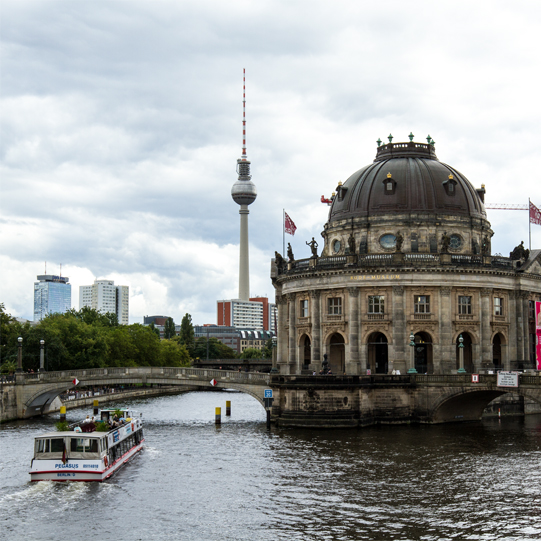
(535, 214)
(213, 382)
(75, 381)
(475, 378)
(289, 226)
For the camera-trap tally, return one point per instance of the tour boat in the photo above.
(84, 454)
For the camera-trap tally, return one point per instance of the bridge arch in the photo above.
(40, 390)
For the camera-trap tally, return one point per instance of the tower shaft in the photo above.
(244, 257)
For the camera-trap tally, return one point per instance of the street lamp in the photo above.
(461, 369)
(274, 369)
(412, 370)
(42, 355)
(20, 354)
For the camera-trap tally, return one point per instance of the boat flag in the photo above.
(64, 454)
(535, 214)
(75, 381)
(289, 225)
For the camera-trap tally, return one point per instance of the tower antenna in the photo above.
(244, 193)
(244, 157)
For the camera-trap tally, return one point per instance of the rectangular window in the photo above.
(57, 445)
(304, 308)
(464, 305)
(498, 306)
(335, 306)
(422, 304)
(376, 304)
(43, 446)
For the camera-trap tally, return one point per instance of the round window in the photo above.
(336, 246)
(456, 242)
(388, 241)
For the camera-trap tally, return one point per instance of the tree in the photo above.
(267, 350)
(187, 335)
(173, 354)
(216, 350)
(169, 328)
(154, 328)
(251, 353)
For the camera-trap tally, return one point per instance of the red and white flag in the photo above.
(75, 381)
(289, 226)
(535, 214)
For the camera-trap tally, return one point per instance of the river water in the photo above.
(194, 481)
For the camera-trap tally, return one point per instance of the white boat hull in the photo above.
(79, 470)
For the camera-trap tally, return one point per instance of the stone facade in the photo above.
(410, 258)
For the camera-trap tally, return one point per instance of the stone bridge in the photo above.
(346, 401)
(34, 392)
(310, 401)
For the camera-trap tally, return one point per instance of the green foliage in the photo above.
(251, 353)
(154, 328)
(169, 328)
(267, 350)
(102, 426)
(86, 339)
(216, 350)
(62, 426)
(187, 335)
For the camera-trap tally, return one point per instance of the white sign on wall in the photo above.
(507, 379)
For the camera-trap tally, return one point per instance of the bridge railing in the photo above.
(403, 379)
(145, 371)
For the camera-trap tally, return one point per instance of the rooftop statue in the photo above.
(313, 247)
(351, 244)
(290, 255)
(520, 253)
(445, 242)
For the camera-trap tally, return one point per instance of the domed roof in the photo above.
(406, 178)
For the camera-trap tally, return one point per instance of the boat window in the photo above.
(43, 446)
(57, 445)
(84, 445)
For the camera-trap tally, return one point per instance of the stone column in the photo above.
(282, 353)
(292, 299)
(352, 360)
(526, 328)
(316, 330)
(486, 346)
(513, 316)
(446, 363)
(400, 333)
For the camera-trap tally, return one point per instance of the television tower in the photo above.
(244, 193)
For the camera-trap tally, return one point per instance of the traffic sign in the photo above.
(268, 393)
(213, 382)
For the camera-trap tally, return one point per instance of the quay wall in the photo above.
(8, 402)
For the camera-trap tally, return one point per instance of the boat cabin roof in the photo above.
(72, 434)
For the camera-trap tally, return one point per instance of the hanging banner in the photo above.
(538, 333)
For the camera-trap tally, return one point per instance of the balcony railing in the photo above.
(396, 260)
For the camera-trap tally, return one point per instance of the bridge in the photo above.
(309, 401)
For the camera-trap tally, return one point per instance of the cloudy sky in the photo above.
(121, 126)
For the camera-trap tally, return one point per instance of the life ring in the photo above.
(105, 461)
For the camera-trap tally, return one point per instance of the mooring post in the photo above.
(228, 408)
(96, 407)
(62, 413)
(218, 416)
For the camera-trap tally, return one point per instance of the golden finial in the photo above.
(389, 175)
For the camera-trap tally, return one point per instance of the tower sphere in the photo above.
(244, 192)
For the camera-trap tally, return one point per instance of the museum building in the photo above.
(406, 280)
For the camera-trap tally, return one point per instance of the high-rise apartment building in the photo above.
(257, 314)
(52, 295)
(104, 296)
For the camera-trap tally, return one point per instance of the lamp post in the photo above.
(42, 355)
(274, 369)
(20, 354)
(461, 369)
(412, 370)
